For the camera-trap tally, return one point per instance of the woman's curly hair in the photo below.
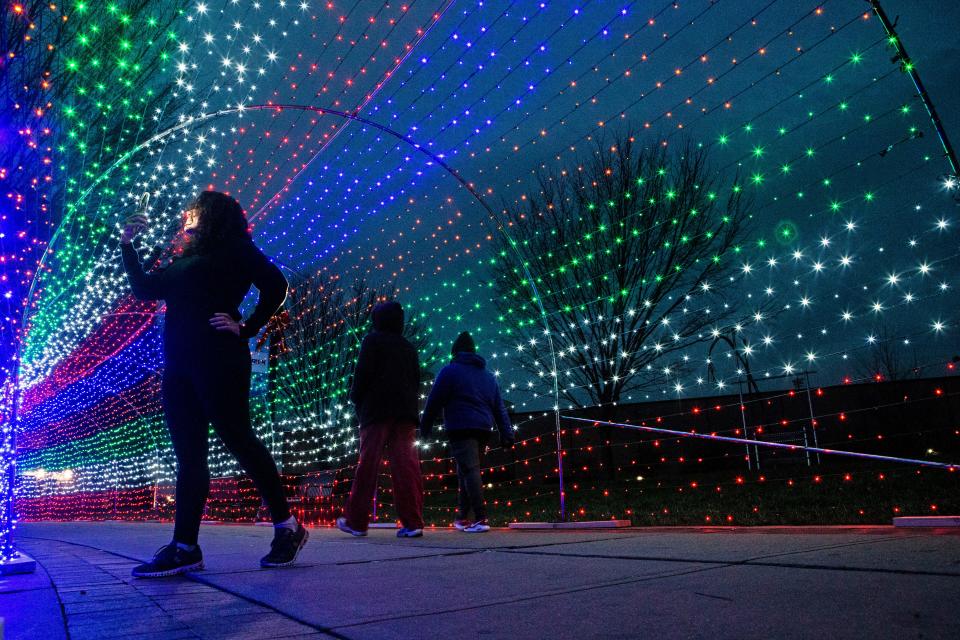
(221, 219)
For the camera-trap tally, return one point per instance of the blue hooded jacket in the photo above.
(469, 397)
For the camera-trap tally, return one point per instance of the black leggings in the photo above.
(214, 390)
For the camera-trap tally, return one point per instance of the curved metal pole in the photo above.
(911, 70)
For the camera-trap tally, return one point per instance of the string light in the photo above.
(797, 109)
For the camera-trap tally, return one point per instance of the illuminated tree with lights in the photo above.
(632, 252)
(79, 85)
(314, 348)
(65, 64)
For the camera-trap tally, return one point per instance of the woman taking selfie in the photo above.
(206, 378)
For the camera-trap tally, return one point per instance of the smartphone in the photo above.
(143, 202)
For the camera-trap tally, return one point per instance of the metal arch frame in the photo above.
(354, 116)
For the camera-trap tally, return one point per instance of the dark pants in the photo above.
(214, 390)
(398, 438)
(466, 451)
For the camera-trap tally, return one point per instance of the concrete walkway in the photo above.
(832, 582)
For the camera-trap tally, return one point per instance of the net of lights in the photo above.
(772, 260)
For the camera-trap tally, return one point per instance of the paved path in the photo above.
(832, 582)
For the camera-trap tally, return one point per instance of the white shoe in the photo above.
(480, 526)
(343, 526)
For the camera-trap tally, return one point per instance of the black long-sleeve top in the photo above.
(197, 287)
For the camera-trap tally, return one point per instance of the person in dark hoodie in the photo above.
(469, 398)
(385, 389)
(206, 376)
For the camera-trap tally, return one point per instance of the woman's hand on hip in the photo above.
(223, 322)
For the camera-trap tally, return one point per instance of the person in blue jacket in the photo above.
(469, 398)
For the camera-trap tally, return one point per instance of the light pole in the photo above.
(11, 560)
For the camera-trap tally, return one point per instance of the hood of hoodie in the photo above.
(388, 317)
(469, 358)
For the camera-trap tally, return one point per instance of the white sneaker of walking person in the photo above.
(480, 526)
(346, 528)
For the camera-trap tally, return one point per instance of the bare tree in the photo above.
(632, 251)
(84, 69)
(888, 357)
(314, 348)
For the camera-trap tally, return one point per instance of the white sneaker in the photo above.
(343, 526)
(480, 526)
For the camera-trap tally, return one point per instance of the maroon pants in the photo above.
(398, 439)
